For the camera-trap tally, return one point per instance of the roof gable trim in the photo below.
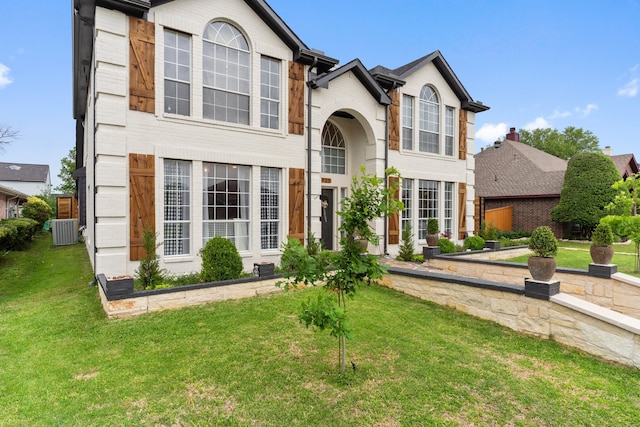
(363, 76)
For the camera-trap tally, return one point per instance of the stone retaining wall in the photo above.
(565, 318)
(620, 293)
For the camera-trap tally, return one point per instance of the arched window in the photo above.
(226, 74)
(333, 151)
(429, 121)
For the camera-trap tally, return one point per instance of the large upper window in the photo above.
(429, 121)
(269, 92)
(269, 208)
(177, 207)
(177, 73)
(407, 122)
(226, 203)
(333, 153)
(225, 74)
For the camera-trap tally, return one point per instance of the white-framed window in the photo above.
(448, 208)
(334, 152)
(407, 122)
(269, 93)
(226, 203)
(269, 208)
(407, 200)
(226, 74)
(177, 207)
(448, 131)
(428, 204)
(429, 121)
(177, 73)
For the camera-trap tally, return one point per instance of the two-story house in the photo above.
(205, 118)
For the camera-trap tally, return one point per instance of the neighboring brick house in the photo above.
(30, 179)
(529, 180)
(212, 118)
(626, 163)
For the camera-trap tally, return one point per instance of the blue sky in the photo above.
(535, 63)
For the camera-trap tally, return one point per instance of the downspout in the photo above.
(95, 162)
(309, 115)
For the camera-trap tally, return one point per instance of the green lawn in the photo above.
(576, 255)
(250, 362)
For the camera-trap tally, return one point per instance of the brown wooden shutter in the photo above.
(296, 98)
(394, 121)
(462, 210)
(296, 204)
(142, 212)
(462, 143)
(394, 218)
(141, 65)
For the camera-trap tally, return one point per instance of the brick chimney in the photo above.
(513, 135)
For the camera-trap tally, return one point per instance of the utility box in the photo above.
(64, 231)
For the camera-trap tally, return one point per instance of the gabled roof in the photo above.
(443, 67)
(83, 23)
(361, 73)
(518, 170)
(23, 172)
(626, 164)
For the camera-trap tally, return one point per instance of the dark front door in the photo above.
(326, 218)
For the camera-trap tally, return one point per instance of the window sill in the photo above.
(173, 259)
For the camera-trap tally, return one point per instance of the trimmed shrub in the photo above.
(36, 209)
(543, 242)
(8, 236)
(602, 236)
(220, 260)
(446, 246)
(405, 251)
(149, 273)
(475, 243)
(15, 233)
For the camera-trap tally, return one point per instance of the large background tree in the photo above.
(587, 190)
(68, 166)
(563, 144)
(7, 135)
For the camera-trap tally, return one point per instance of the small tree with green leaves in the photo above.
(149, 273)
(405, 251)
(67, 168)
(369, 199)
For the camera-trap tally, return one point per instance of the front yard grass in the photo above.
(250, 362)
(573, 254)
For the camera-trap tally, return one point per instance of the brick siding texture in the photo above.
(530, 213)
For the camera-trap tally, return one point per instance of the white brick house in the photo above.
(193, 118)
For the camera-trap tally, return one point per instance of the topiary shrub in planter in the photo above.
(433, 228)
(474, 243)
(601, 244)
(544, 245)
(220, 260)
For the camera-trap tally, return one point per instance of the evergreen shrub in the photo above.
(220, 260)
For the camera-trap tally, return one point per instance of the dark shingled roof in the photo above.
(23, 172)
(626, 164)
(516, 170)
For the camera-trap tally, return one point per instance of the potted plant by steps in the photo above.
(602, 244)
(432, 232)
(544, 245)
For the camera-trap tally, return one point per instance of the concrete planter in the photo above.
(541, 268)
(432, 239)
(494, 245)
(601, 254)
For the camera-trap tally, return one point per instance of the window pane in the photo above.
(177, 73)
(177, 207)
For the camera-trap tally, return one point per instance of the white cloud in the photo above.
(557, 114)
(4, 76)
(630, 89)
(538, 123)
(587, 110)
(490, 133)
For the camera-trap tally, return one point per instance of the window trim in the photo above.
(176, 79)
(167, 207)
(268, 86)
